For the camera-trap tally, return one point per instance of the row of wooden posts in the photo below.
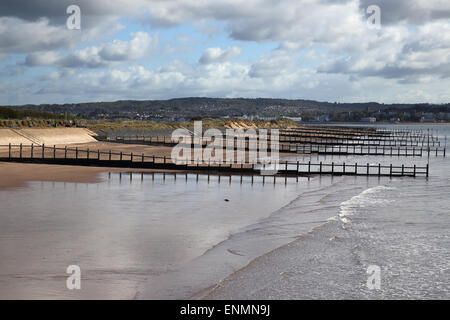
(285, 167)
(303, 148)
(288, 138)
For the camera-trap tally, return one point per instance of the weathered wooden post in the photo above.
(309, 167)
(356, 168)
(445, 145)
(32, 151)
(320, 167)
(403, 169)
(414, 170)
(368, 169)
(343, 167)
(428, 168)
(131, 157)
(76, 153)
(109, 155)
(390, 171)
(9, 151)
(379, 169)
(54, 152)
(43, 151)
(121, 156)
(332, 168)
(65, 152)
(142, 158)
(20, 151)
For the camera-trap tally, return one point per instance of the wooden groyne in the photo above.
(86, 157)
(311, 146)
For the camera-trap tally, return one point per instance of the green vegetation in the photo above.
(16, 118)
(9, 113)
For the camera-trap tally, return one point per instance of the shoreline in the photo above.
(17, 175)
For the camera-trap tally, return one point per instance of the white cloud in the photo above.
(324, 49)
(400, 53)
(96, 56)
(217, 55)
(19, 36)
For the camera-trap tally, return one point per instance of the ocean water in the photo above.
(167, 238)
(400, 225)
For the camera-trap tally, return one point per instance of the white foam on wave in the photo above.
(364, 199)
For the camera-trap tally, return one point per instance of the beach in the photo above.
(141, 234)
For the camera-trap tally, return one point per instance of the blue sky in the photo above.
(155, 49)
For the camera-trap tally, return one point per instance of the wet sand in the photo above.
(132, 238)
(53, 230)
(17, 174)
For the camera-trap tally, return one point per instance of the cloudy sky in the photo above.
(157, 49)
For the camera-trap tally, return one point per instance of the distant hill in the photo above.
(220, 107)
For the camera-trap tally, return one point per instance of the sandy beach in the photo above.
(16, 174)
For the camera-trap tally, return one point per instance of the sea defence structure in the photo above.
(407, 143)
(48, 136)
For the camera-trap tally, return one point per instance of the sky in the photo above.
(326, 50)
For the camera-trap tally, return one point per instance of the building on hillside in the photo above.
(369, 120)
(296, 119)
